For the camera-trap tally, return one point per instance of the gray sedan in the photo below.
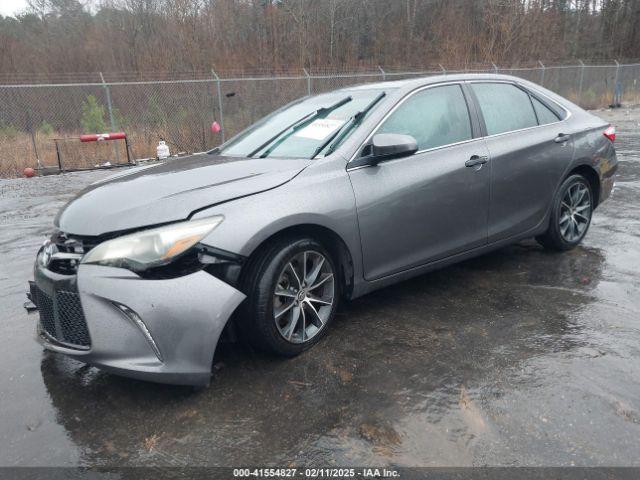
(329, 198)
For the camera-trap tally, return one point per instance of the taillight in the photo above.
(610, 133)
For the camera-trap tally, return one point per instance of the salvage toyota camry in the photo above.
(330, 197)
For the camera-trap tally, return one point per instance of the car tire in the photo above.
(283, 313)
(571, 213)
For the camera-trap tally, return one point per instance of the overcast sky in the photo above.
(11, 7)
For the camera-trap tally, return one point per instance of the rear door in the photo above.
(529, 148)
(427, 206)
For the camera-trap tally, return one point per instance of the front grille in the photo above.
(64, 267)
(45, 307)
(62, 318)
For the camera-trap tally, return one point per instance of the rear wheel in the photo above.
(570, 216)
(293, 292)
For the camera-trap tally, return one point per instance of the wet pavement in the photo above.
(519, 357)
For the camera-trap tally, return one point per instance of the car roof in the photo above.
(399, 88)
(430, 79)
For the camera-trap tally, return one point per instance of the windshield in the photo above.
(301, 129)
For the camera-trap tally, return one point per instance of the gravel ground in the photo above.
(519, 357)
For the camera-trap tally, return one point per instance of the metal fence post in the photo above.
(306, 74)
(219, 90)
(542, 73)
(384, 74)
(32, 134)
(112, 121)
(616, 100)
(109, 105)
(60, 169)
(581, 81)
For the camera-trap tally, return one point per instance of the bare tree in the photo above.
(56, 37)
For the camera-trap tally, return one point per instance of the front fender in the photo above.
(323, 198)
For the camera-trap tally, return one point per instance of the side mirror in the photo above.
(387, 146)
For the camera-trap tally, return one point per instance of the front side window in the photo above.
(505, 107)
(544, 113)
(434, 117)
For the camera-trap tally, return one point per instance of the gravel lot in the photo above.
(520, 357)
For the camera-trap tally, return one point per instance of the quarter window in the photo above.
(504, 107)
(544, 113)
(434, 117)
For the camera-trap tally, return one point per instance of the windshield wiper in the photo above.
(339, 134)
(295, 126)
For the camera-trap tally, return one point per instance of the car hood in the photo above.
(170, 191)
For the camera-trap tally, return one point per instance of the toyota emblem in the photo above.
(47, 252)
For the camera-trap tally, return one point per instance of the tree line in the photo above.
(55, 37)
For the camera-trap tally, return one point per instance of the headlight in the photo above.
(151, 248)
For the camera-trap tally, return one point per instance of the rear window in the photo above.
(504, 107)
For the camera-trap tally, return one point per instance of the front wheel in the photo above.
(570, 215)
(293, 292)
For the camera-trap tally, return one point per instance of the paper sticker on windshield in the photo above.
(320, 128)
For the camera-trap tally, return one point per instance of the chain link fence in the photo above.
(36, 117)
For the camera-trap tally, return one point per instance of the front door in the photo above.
(430, 205)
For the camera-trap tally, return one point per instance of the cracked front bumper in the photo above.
(158, 330)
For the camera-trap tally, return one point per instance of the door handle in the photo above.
(476, 160)
(562, 138)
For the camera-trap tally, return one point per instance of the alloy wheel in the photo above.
(304, 296)
(575, 212)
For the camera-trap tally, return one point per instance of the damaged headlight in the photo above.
(152, 248)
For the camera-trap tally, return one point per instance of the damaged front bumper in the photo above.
(161, 330)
